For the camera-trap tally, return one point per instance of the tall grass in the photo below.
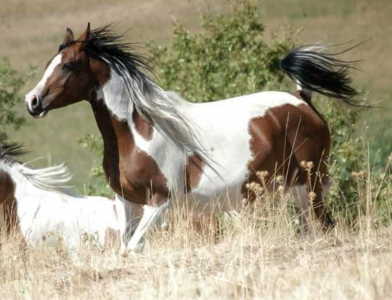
(256, 253)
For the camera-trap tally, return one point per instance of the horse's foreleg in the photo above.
(129, 215)
(152, 218)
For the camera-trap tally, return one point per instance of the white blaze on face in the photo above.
(37, 91)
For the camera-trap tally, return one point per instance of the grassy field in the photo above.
(32, 30)
(248, 262)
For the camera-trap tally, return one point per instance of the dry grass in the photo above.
(256, 254)
(260, 255)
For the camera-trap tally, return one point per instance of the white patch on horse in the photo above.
(48, 214)
(129, 214)
(99, 94)
(38, 90)
(152, 217)
(116, 97)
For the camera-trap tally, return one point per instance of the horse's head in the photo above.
(69, 77)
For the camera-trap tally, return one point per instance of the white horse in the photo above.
(38, 206)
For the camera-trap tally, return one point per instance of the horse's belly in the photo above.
(215, 196)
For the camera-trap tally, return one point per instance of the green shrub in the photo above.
(228, 58)
(97, 186)
(11, 83)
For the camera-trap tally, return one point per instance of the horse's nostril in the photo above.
(34, 102)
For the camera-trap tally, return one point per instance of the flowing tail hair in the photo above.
(321, 72)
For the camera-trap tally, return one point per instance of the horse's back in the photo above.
(253, 133)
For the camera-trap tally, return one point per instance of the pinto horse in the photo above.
(37, 207)
(156, 143)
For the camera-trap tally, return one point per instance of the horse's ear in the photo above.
(85, 34)
(69, 37)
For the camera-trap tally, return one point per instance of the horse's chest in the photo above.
(133, 174)
(7, 188)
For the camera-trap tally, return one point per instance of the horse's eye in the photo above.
(67, 67)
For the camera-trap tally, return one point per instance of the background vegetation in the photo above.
(11, 83)
(32, 31)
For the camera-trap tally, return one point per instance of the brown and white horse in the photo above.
(156, 143)
(36, 205)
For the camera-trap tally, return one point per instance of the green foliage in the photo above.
(98, 186)
(360, 182)
(345, 158)
(228, 58)
(11, 82)
(379, 149)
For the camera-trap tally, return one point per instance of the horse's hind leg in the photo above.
(316, 196)
(316, 187)
(302, 202)
(311, 157)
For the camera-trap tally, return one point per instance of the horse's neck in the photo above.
(116, 134)
(123, 139)
(105, 126)
(117, 119)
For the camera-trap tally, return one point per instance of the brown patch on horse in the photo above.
(139, 172)
(193, 172)
(142, 126)
(100, 70)
(9, 206)
(130, 171)
(283, 138)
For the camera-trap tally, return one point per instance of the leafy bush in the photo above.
(11, 82)
(98, 186)
(379, 149)
(230, 57)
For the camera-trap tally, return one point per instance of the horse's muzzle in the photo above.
(34, 106)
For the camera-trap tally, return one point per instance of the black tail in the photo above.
(321, 72)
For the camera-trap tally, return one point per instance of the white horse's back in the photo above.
(48, 216)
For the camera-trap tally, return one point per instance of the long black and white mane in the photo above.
(164, 110)
(53, 179)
